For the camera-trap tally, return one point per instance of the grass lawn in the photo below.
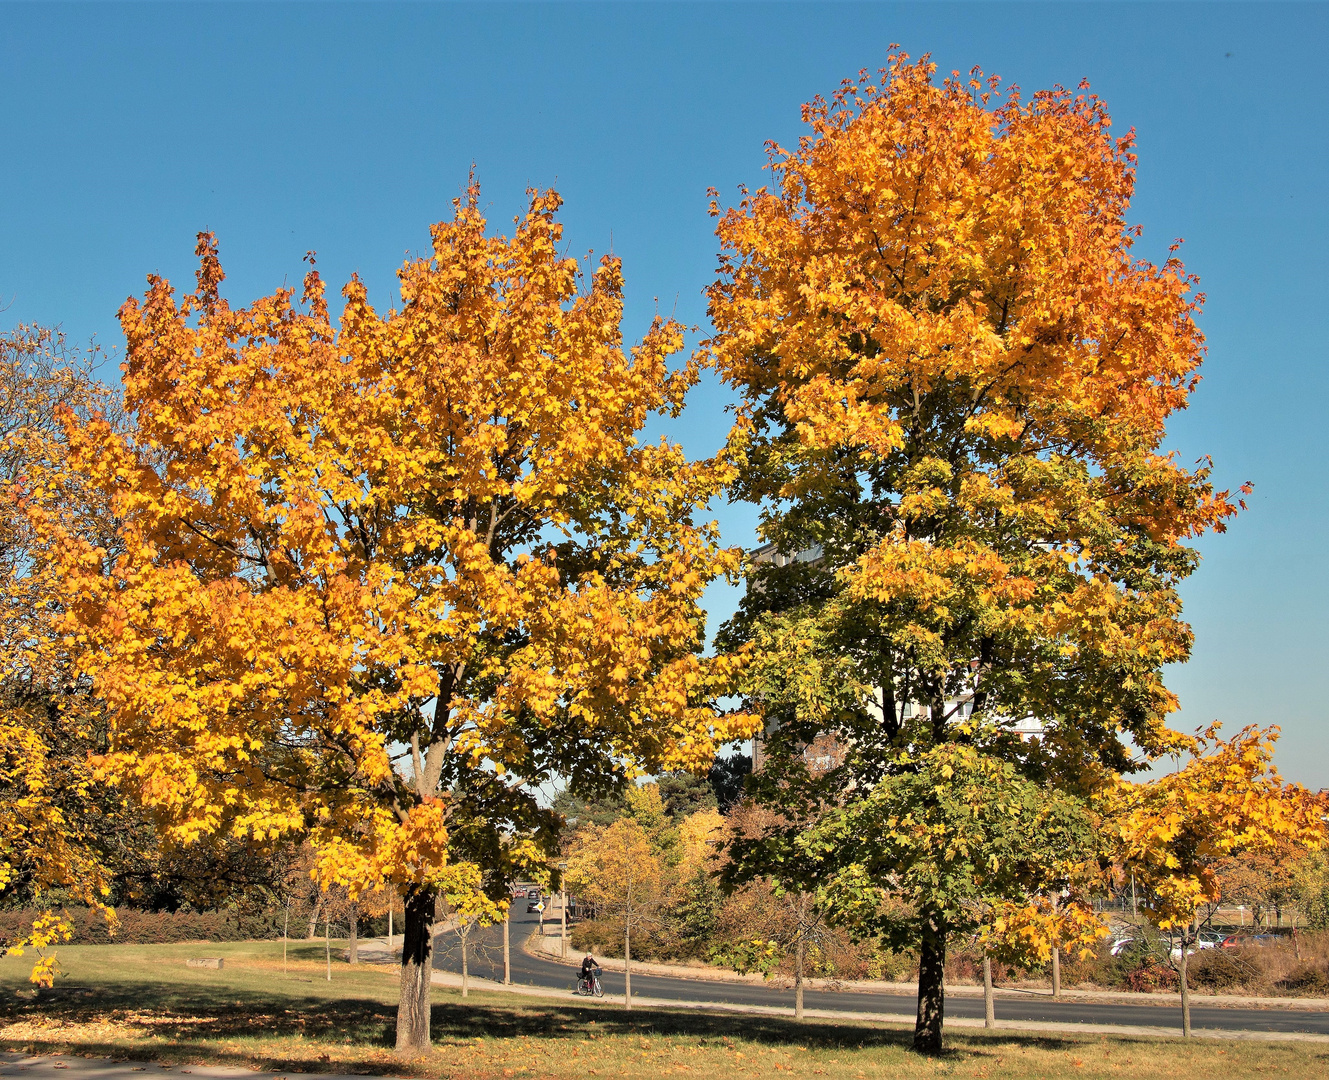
(142, 1001)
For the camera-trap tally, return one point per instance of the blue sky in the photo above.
(348, 129)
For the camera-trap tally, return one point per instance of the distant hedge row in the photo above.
(156, 927)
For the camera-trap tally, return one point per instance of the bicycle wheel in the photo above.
(599, 990)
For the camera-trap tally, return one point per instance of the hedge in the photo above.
(155, 927)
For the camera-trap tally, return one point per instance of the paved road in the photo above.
(487, 962)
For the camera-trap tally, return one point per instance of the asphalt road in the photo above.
(486, 961)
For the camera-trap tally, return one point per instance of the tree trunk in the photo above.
(327, 939)
(1056, 974)
(627, 965)
(989, 1007)
(354, 949)
(464, 936)
(1185, 995)
(931, 987)
(390, 907)
(507, 962)
(798, 978)
(285, 930)
(313, 920)
(417, 954)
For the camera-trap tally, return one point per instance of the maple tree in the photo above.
(376, 581)
(955, 377)
(1175, 832)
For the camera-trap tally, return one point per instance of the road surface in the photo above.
(487, 962)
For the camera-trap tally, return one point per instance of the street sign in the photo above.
(540, 906)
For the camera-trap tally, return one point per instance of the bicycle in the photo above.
(590, 987)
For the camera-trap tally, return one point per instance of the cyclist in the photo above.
(589, 970)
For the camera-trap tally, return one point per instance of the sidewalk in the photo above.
(547, 948)
(69, 1066)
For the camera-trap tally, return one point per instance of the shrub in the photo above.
(1219, 969)
(1152, 976)
(1310, 981)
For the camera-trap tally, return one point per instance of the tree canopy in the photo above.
(380, 579)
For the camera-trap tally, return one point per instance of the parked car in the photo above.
(1208, 939)
(1236, 941)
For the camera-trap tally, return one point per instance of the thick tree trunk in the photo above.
(507, 962)
(417, 955)
(798, 979)
(1185, 995)
(1056, 974)
(354, 948)
(313, 921)
(931, 987)
(989, 1006)
(627, 965)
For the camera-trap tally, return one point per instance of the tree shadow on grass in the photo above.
(461, 1023)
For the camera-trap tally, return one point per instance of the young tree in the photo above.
(619, 870)
(430, 533)
(956, 375)
(1175, 831)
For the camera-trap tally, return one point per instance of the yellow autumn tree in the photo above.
(378, 580)
(956, 373)
(1174, 832)
(56, 822)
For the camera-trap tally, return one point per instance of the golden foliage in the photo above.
(1174, 832)
(429, 533)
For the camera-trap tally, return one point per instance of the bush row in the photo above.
(154, 927)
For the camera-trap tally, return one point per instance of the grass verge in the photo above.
(142, 1001)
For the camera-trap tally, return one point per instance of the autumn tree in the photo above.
(1174, 832)
(627, 877)
(955, 375)
(376, 581)
(59, 828)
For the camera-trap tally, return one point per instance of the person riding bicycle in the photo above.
(589, 970)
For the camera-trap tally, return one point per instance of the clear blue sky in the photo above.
(349, 129)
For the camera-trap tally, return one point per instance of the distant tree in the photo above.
(1174, 832)
(685, 793)
(626, 877)
(578, 811)
(727, 777)
(1310, 878)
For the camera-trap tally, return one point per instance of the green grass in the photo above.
(142, 1001)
